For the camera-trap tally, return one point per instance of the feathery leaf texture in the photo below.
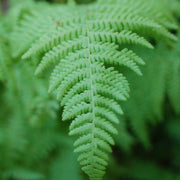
(84, 43)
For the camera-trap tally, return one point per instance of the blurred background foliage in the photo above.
(34, 143)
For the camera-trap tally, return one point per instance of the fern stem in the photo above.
(92, 88)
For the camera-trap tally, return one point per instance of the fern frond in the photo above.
(85, 47)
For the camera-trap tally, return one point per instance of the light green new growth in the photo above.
(85, 47)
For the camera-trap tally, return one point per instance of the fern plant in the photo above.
(86, 48)
(84, 45)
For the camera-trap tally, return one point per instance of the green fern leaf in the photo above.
(85, 47)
